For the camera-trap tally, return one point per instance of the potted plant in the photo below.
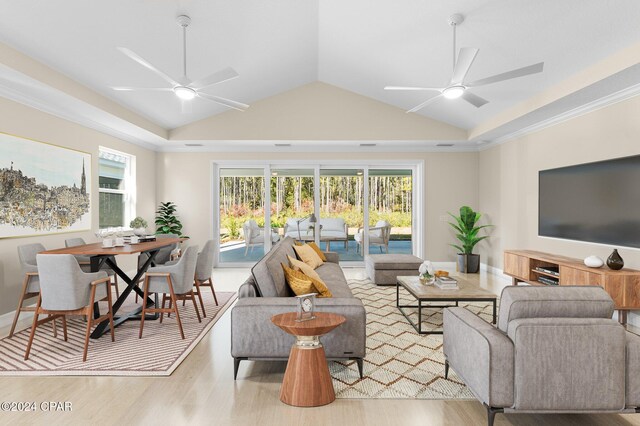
(167, 221)
(139, 226)
(467, 233)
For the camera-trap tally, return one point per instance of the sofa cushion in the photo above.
(332, 275)
(394, 261)
(268, 273)
(332, 224)
(549, 302)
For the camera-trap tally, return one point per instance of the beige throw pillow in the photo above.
(308, 255)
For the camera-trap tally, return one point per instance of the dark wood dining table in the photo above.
(100, 256)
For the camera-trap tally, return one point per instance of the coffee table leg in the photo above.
(419, 316)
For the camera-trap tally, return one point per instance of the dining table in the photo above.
(100, 256)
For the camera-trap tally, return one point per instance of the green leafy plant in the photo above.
(167, 221)
(467, 229)
(138, 222)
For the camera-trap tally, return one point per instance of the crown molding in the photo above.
(603, 102)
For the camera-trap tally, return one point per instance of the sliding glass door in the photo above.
(350, 210)
(241, 215)
(342, 212)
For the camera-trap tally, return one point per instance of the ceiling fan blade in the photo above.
(129, 89)
(131, 54)
(226, 102)
(425, 103)
(463, 64)
(520, 72)
(474, 100)
(411, 88)
(215, 78)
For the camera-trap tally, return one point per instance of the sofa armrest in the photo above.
(568, 364)
(332, 257)
(632, 388)
(253, 335)
(481, 355)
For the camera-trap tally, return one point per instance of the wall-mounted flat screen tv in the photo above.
(595, 202)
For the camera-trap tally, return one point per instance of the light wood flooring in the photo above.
(202, 391)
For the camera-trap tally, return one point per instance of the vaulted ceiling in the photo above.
(357, 45)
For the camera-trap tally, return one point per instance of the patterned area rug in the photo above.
(158, 353)
(400, 363)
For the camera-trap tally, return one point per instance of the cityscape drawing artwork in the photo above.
(44, 188)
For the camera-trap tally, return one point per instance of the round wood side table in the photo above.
(307, 382)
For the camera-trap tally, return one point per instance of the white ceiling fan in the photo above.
(457, 87)
(184, 88)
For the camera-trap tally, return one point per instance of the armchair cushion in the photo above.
(481, 355)
(568, 364)
(558, 302)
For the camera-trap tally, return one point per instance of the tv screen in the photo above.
(595, 202)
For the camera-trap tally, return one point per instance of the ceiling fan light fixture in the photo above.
(184, 93)
(453, 92)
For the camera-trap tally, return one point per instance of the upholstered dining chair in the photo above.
(379, 235)
(165, 254)
(175, 282)
(85, 261)
(204, 269)
(66, 290)
(30, 284)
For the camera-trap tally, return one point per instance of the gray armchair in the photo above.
(175, 282)
(66, 290)
(30, 284)
(85, 261)
(554, 350)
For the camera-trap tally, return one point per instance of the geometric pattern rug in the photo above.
(400, 363)
(158, 353)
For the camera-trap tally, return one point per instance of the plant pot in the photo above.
(468, 263)
(140, 232)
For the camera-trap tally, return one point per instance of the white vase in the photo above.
(140, 232)
(593, 262)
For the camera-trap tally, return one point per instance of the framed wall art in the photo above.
(44, 188)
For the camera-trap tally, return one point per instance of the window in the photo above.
(117, 187)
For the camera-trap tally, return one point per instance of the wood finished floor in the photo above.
(202, 391)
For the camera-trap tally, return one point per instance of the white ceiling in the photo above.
(359, 45)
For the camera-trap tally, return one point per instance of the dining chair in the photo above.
(204, 270)
(66, 290)
(165, 254)
(30, 284)
(85, 261)
(175, 282)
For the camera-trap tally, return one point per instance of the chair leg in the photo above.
(55, 328)
(380, 249)
(25, 283)
(195, 305)
(175, 306)
(236, 365)
(90, 322)
(213, 291)
(115, 284)
(199, 293)
(144, 305)
(34, 325)
(64, 327)
(246, 249)
(110, 313)
(491, 414)
(164, 300)
(360, 363)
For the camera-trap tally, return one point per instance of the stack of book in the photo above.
(446, 283)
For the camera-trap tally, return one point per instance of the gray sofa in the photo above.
(265, 293)
(554, 350)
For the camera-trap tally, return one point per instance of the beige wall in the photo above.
(23, 121)
(509, 177)
(318, 111)
(450, 180)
